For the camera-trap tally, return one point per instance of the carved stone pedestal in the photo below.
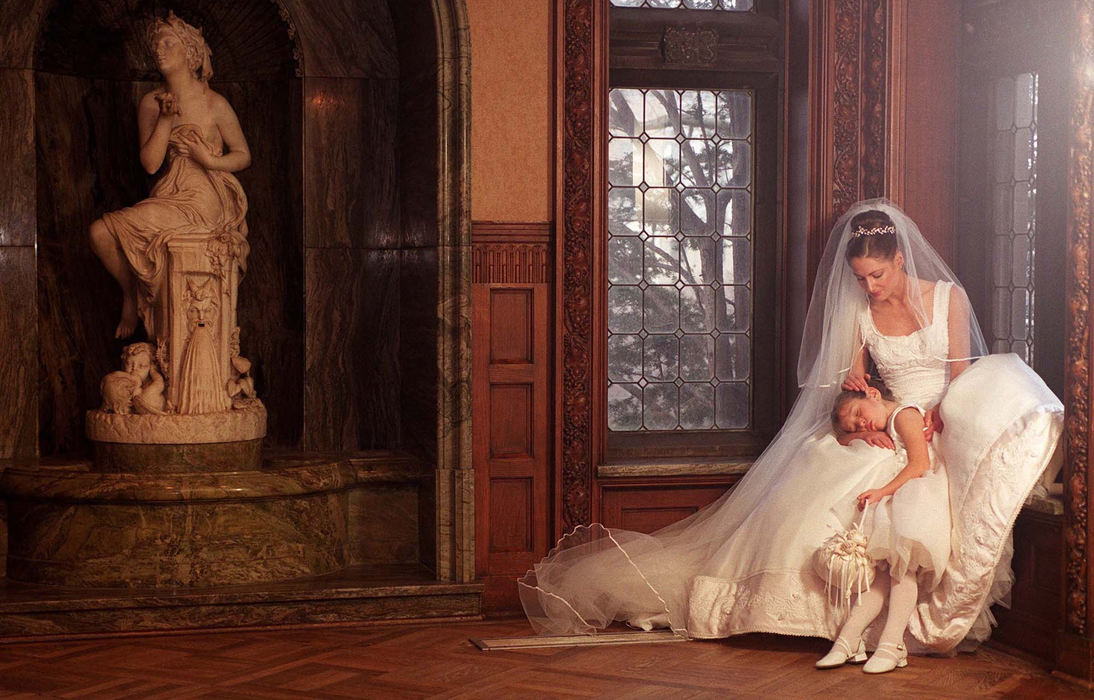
(79, 525)
(306, 538)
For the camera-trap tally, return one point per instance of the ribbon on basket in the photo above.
(844, 565)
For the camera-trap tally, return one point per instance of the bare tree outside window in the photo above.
(679, 259)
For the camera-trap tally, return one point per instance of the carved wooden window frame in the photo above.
(679, 49)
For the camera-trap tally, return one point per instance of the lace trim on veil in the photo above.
(678, 630)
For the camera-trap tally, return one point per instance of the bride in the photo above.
(744, 563)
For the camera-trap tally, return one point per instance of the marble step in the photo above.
(357, 594)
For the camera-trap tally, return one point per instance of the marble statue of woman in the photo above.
(193, 129)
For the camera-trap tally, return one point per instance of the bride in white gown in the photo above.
(743, 564)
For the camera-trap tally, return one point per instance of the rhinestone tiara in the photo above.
(873, 231)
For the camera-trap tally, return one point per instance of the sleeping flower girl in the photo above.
(908, 530)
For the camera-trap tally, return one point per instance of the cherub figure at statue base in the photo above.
(241, 387)
(139, 387)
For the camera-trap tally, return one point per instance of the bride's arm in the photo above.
(958, 331)
(857, 378)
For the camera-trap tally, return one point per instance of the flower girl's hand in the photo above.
(878, 438)
(856, 382)
(871, 496)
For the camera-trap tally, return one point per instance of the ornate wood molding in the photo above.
(582, 77)
(895, 86)
(874, 64)
(690, 45)
(1077, 390)
(845, 106)
(511, 253)
(848, 93)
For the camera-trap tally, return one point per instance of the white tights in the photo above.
(903, 594)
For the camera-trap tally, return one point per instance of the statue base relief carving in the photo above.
(192, 385)
(233, 425)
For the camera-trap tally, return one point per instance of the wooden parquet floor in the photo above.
(412, 661)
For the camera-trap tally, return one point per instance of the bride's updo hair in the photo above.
(873, 235)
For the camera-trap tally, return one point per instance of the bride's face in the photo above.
(880, 278)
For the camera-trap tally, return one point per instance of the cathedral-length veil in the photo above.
(743, 563)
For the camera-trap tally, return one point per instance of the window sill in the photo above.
(655, 469)
(1049, 505)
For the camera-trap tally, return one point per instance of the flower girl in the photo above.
(908, 529)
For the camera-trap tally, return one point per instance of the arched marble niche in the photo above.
(355, 309)
(90, 71)
(358, 225)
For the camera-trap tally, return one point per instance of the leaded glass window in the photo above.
(732, 5)
(680, 259)
(1014, 214)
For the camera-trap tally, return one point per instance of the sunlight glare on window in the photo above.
(679, 259)
(1014, 214)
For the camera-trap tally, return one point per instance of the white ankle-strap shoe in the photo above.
(886, 657)
(841, 654)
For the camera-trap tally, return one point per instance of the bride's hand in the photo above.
(856, 382)
(932, 423)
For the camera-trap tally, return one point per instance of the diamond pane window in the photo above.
(731, 5)
(1014, 214)
(680, 252)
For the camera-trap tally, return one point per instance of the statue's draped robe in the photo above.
(187, 200)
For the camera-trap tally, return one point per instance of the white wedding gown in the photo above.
(744, 563)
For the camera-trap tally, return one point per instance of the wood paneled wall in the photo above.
(18, 310)
(645, 505)
(924, 178)
(511, 332)
(1034, 617)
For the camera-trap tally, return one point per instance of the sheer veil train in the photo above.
(742, 564)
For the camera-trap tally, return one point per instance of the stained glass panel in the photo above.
(1014, 214)
(680, 257)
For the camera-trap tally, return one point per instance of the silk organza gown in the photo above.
(744, 563)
